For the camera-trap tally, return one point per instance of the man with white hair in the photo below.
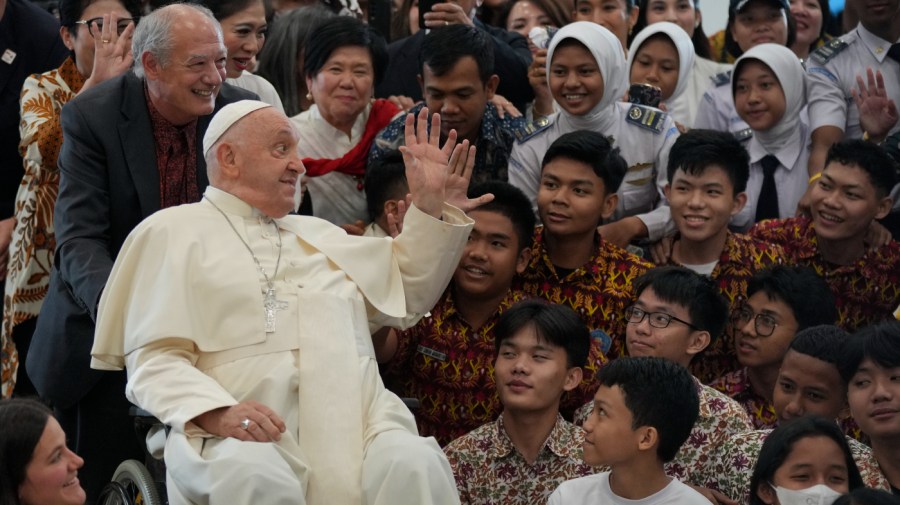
(130, 148)
(247, 330)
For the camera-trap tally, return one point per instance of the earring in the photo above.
(309, 96)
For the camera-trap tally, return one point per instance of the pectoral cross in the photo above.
(272, 304)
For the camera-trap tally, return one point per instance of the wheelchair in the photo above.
(135, 482)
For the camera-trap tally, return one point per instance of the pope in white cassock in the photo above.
(247, 330)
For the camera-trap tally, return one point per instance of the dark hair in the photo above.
(868, 496)
(557, 325)
(681, 286)
(444, 47)
(280, 56)
(827, 22)
(780, 443)
(558, 16)
(222, 9)
(870, 158)
(822, 342)
(659, 393)
(23, 422)
(732, 47)
(879, 342)
(385, 181)
(511, 203)
(807, 294)
(71, 11)
(592, 149)
(342, 31)
(400, 21)
(697, 150)
(700, 40)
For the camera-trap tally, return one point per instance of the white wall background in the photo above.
(715, 15)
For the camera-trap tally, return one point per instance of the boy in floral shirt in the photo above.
(676, 316)
(520, 458)
(781, 301)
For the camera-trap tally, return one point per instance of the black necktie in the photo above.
(894, 52)
(767, 205)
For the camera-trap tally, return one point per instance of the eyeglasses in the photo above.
(657, 319)
(763, 324)
(121, 25)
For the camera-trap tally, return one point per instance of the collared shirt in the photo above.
(719, 419)
(489, 470)
(495, 141)
(741, 258)
(448, 366)
(34, 238)
(832, 74)
(176, 158)
(737, 385)
(598, 291)
(731, 464)
(791, 176)
(716, 111)
(865, 292)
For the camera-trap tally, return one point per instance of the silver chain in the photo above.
(269, 282)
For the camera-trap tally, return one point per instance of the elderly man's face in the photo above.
(186, 86)
(269, 164)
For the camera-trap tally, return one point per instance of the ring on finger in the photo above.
(105, 41)
(245, 424)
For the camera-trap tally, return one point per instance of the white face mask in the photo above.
(820, 494)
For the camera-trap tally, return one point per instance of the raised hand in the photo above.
(112, 52)
(426, 161)
(462, 163)
(877, 112)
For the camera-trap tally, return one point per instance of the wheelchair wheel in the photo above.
(131, 485)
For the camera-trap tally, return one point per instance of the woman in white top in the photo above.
(686, 14)
(769, 90)
(342, 62)
(662, 55)
(244, 29)
(587, 76)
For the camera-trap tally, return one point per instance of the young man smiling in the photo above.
(853, 190)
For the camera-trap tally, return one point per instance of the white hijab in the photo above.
(610, 57)
(683, 46)
(790, 74)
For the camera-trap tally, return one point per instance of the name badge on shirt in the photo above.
(647, 118)
(431, 353)
(8, 56)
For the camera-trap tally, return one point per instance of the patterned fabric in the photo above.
(737, 385)
(449, 367)
(176, 159)
(495, 141)
(732, 463)
(599, 291)
(489, 469)
(741, 258)
(720, 418)
(866, 292)
(34, 239)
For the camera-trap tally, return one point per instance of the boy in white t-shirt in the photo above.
(644, 411)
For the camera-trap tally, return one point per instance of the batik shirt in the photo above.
(732, 463)
(741, 258)
(489, 470)
(448, 366)
(495, 141)
(34, 238)
(720, 418)
(598, 291)
(865, 292)
(737, 385)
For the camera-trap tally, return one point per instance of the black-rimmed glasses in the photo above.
(97, 23)
(656, 319)
(763, 324)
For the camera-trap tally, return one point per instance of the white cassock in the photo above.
(183, 311)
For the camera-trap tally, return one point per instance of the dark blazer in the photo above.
(109, 182)
(511, 60)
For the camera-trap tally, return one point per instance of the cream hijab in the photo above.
(790, 74)
(683, 46)
(610, 57)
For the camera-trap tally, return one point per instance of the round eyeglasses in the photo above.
(763, 323)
